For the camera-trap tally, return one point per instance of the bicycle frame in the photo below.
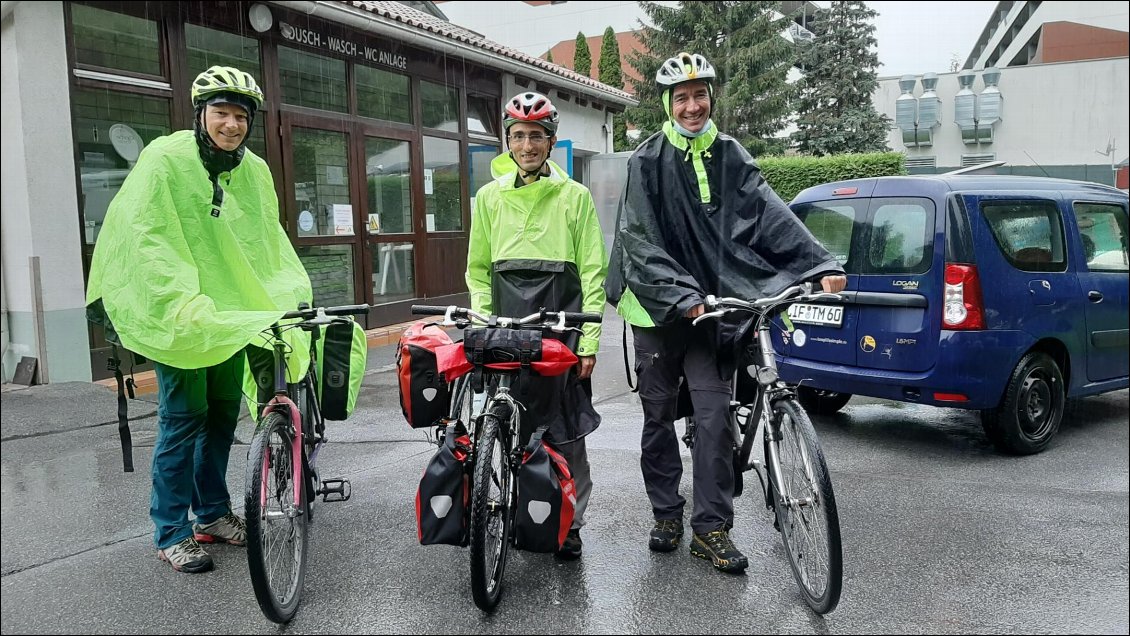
(292, 398)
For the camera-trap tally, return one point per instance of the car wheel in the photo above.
(821, 402)
(1030, 413)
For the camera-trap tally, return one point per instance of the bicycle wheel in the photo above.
(491, 506)
(276, 528)
(806, 507)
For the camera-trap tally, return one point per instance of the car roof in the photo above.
(940, 184)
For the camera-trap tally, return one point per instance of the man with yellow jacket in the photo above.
(191, 264)
(536, 242)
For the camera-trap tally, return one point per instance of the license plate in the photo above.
(822, 315)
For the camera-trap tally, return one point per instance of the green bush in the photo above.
(789, 175)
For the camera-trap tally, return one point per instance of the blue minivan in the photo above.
(1004, 294)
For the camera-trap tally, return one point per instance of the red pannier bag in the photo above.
(424, 395)
(443, 498)
(556, 359)
(547, 497)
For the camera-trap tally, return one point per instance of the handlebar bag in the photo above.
(490, 346)
(424, 395)
(547, 497)
(342, 355)
(442, 500)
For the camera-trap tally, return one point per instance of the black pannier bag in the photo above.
(425, 398)
(442, 500)
(547, 497)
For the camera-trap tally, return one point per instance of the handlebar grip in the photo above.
(571, 316)
(429, 310)
(348, 310)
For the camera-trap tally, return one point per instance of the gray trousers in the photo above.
(663, 355)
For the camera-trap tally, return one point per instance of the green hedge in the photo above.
(789, 175)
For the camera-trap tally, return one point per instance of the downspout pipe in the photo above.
(344, 14)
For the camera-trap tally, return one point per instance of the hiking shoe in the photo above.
(718, 547)
(571, 548)
(187, 556)
(227, 529)
(665, 535)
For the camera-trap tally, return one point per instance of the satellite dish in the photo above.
(126, 142)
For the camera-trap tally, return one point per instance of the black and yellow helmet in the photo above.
(225, 79)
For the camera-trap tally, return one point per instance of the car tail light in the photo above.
(950, 397)
(962, 307)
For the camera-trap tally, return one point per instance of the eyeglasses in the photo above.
(520, 138)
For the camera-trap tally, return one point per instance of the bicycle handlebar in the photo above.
(797, 293)
(321, 315)
(452, 313)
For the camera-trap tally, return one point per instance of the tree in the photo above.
(745, 44)
(549, 56)
(582, 57)
(835, 113)
(613, 75)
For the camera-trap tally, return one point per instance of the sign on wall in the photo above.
(342, 46)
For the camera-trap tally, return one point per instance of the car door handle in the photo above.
(1094, 296)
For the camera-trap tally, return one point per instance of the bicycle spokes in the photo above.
(800, 503)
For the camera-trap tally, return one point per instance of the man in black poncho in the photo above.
(698, 218)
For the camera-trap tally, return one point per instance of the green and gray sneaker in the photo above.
(186, 556)
(227, 529)
(718, 547)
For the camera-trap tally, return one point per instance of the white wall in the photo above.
(583, 125)
(38, 198)
(1052, 114)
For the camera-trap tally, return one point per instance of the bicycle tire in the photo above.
(806, 508)
(273, 528)
(487, 514)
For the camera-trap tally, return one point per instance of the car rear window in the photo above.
(900, 234)
(874, 236)
(1028, 233)
(1102, 228)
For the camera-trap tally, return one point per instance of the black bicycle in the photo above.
(792, 473)
(495, 429)
(282, 476)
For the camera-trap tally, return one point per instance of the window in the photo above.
(330, 268)
(442, 192)
(393, 275)
(321, 183)
(1102, 231)
(312, 80)
(387, 171)
(115, 41)
(479, 157)
(209, 47)
(440, 106)
(382, 95)
(831, 223)
(482, 115)
(900, 235)
(1028, 233)
(106, 125)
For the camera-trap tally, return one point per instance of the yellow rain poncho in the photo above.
(184, 287)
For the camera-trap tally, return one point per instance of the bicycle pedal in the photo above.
(335, 490)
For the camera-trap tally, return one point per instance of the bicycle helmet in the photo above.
(534, 108)
(684, 67)
(228, 84)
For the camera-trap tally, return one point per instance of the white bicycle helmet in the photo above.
(684, 67)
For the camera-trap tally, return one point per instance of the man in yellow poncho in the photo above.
(536, 242)
(190, 265)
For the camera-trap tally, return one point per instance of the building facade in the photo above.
(1045, 90)
(379, 126)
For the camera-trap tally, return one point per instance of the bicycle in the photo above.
(495, 429)
(282, 477)
(793, 474)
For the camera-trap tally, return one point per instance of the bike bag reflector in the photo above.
(424, 395)
(342, 356)
(546, 497)
(442, 500)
